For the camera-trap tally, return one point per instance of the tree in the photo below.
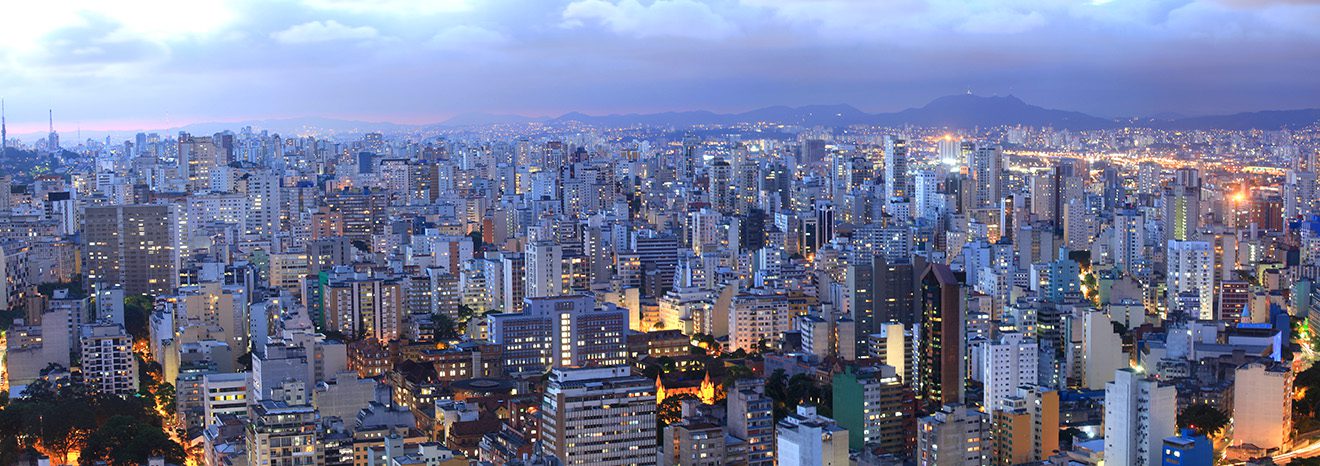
(1203, 418)
(125, 441)
(137, 312)
(445, 327)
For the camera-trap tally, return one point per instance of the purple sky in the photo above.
(157, 64)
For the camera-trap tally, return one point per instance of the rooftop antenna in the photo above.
(52, 119)
(4, 138)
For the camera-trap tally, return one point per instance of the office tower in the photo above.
(757, 316)
(1007, 363)
(1129, 241)
(876, 408)
(599, 416)
(1182, 205)
(1191, 270)
(940, 346)
(954, 435)
(751, 419)
(896, 173)
(366, 307)
(135, 247)
(880, 291)
(1025, 427)
(721, 189)
(987, 176)
(545, 269)
(1262, 405)
(806, 438)
(283, 434)
(812, 151)
(1139, 414)
(560, 331)
(658, 255)
(108, 364)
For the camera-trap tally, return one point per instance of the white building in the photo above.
(1006, 364)
(1192, 270)
(1139, 414)
(107, 361)
(224, 393)
(545, 269)
(805, 438)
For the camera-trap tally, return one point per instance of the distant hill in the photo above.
(955, 111)
(1274, 119)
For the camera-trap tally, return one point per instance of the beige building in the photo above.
(1262, 406)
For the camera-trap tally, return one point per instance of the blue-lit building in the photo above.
(1188, 449)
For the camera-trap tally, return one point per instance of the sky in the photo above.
(149, 64)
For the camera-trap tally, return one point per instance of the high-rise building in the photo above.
(1129, 241)
(560, 331)
(880, 292)
(987, 177)
(108, 364)
(876, 408)
(135, 247)
(806, 438)
(1262, 405)
(892, 346)
(939, 348)
(1182, 205)
(366, 307)
(284, 434)
(896, 171)
(954, 435)
(757, 316)
(1139, 414)
(1008, 362)
(545, 269)
(599, 416)
(1191, 270)
(1025, 427)
(751, 419)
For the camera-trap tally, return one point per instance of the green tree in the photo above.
(445, 327)
(125, 441)
(1203, 418)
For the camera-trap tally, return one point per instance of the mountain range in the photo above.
(963, 111)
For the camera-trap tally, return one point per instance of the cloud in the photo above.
(1003, 22)
(674, 18)
(391, 7)
(323, 31)
(467, 37)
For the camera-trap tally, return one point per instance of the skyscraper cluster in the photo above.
(574, 294)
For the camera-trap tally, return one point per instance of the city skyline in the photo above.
(138, 66)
